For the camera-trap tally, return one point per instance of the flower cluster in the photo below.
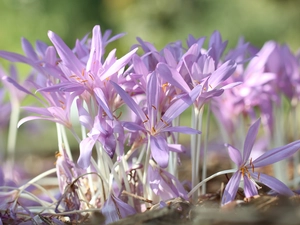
(129, 112)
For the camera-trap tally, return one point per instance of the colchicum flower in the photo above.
(246, 167)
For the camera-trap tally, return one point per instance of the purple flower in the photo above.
(246, 167)
(155, 122)
(164, 184)
(114, 209)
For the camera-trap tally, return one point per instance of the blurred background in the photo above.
(156, 21)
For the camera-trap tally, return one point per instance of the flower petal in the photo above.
(182, 129)
(235, 155)
(67, 56)
(86, 146)
(129, 101)
(179, 106)
(249, 187)
(159, 150)
(272, 183)
(101, 99)
(250, 138)
(172, 76)
(231, 188)
(277, 154)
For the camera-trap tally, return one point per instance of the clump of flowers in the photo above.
(129, 111)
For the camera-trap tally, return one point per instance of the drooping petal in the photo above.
(235, 155)
(273, 183)
(277, 154)
(159, 150)
(231, 188)
(249, 187)
(114, 209)
(250, 138)
(86, 146)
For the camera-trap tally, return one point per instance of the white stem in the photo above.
(208, 179)
(66, 142)
(197, 150)
(204, 169)
(12, 133)
(146, 164)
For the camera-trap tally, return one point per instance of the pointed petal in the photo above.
(249, 187)
(152, 94)
(176, 148)
(231, 188)
(17, 85)
(96, 50)
(101, 99)
(131, 126)
(235, 155)
(182, 129)
(250, 138)
(28, 49)
(159, 150)
(120, 63)
(67, 56)
(273, 183)
(172, 76)
(130, 102)
(277, 154)
(179, 106)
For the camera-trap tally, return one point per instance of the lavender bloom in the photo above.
(156, 126)
(246, 167)
(164, 184)
(115, 209)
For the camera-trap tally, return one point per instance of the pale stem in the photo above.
(197, 149)
(35, 179)
(59, 138)
(146, 164)
(204, 169)
(173, 165)
(208, 179)
(66, 142)
(280, 167)
(13, 131)
(295, 137)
